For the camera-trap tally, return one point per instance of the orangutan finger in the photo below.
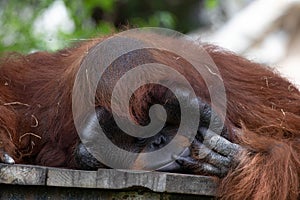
(218, 143)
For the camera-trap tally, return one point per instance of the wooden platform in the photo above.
(18, 182)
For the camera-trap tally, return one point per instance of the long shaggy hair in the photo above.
(263, 114)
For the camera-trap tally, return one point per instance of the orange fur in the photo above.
(262, 106)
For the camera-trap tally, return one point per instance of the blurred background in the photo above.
(266, 31)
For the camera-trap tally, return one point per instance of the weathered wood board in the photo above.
(20, 182)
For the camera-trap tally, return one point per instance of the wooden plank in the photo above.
(122, 179)
(124, 183)
(118, 179)
(22, 174)
(191, 184)
(71, 178)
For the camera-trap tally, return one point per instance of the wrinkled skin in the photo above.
(209, 153)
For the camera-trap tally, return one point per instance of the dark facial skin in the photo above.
(219, 152)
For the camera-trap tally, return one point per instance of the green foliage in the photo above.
(211, 4)
(158, 19)
(89, 17)
(16, 21)
(18, 18)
